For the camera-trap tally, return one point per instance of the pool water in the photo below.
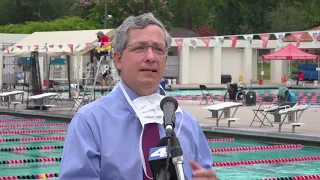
(247, 172)
(222, 92)
(259, 171)
(183, 92)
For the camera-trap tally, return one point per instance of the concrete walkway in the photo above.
(309, 131)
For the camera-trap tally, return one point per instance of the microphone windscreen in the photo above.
(169, 99)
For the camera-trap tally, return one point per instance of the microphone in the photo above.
(169, 106)
(157, 160)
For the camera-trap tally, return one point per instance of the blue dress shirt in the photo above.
(102, 141)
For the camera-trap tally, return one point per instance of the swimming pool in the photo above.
(183, 92)
(260, 170)
(222, 92)
(32, 148)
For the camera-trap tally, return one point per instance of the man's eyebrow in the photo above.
(145, 42)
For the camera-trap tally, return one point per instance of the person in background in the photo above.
(103, 40)
(300, 77)
(107, 138)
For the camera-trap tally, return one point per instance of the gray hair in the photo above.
(120, 39)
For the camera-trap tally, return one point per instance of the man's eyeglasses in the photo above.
(158, 49)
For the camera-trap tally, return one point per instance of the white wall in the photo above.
(232, 62)
(200, 65)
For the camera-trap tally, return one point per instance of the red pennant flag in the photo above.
(51, 46)
(206, 40)
(179, 43)
(7, 48)
(264, 38)
(71, 47)
(36, 47)
(87, 45)
(297, 37)
(20, 47)
(234, 40)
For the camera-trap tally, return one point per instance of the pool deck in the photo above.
(265, 85)
(308, 132)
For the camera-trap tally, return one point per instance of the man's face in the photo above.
(143, 61)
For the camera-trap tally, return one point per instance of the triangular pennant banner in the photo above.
(265, 38)
(219, 40)
(20, 47)
(36, 47)
(12, 49)
(248, 39)
(193, 42)
(71, 47)
(234, 40)
(280, 36)
(7, 49)
(179, 43)
(78, 45)
(46, 47)
(314, 35)
(51, 46)
(206, 41)
(29, 47)
(297, 37)
(87, 45)
(60, 46)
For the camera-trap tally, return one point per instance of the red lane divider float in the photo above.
(267, 161)
(304, 177)
(37, 176)
(21, 120)
(33, 131)
(49, 138)
(258, 148)
(31, 148)
(21, 161)
(220, 139)
(33, 125)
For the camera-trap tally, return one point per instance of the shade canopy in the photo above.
(57, 42)
(290, 52)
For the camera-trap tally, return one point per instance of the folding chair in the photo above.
(260, 110)
(56, 88)
(205, 94)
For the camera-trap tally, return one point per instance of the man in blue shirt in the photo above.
(104, 137)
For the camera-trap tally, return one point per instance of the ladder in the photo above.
(99, 67)
(87, 95)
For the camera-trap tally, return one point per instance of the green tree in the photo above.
(287, 18)
(20, 11)
(120, 10)
(61, 24)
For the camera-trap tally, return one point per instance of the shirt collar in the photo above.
(131, 93)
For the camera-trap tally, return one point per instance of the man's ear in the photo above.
(117, 60)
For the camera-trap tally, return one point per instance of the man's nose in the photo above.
(150, 55)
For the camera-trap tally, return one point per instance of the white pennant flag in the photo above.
(193, 42)
(314, 35)
(219, 40)
(280, 36)
(248, 39)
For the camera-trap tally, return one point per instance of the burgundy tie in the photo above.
(150, 139)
